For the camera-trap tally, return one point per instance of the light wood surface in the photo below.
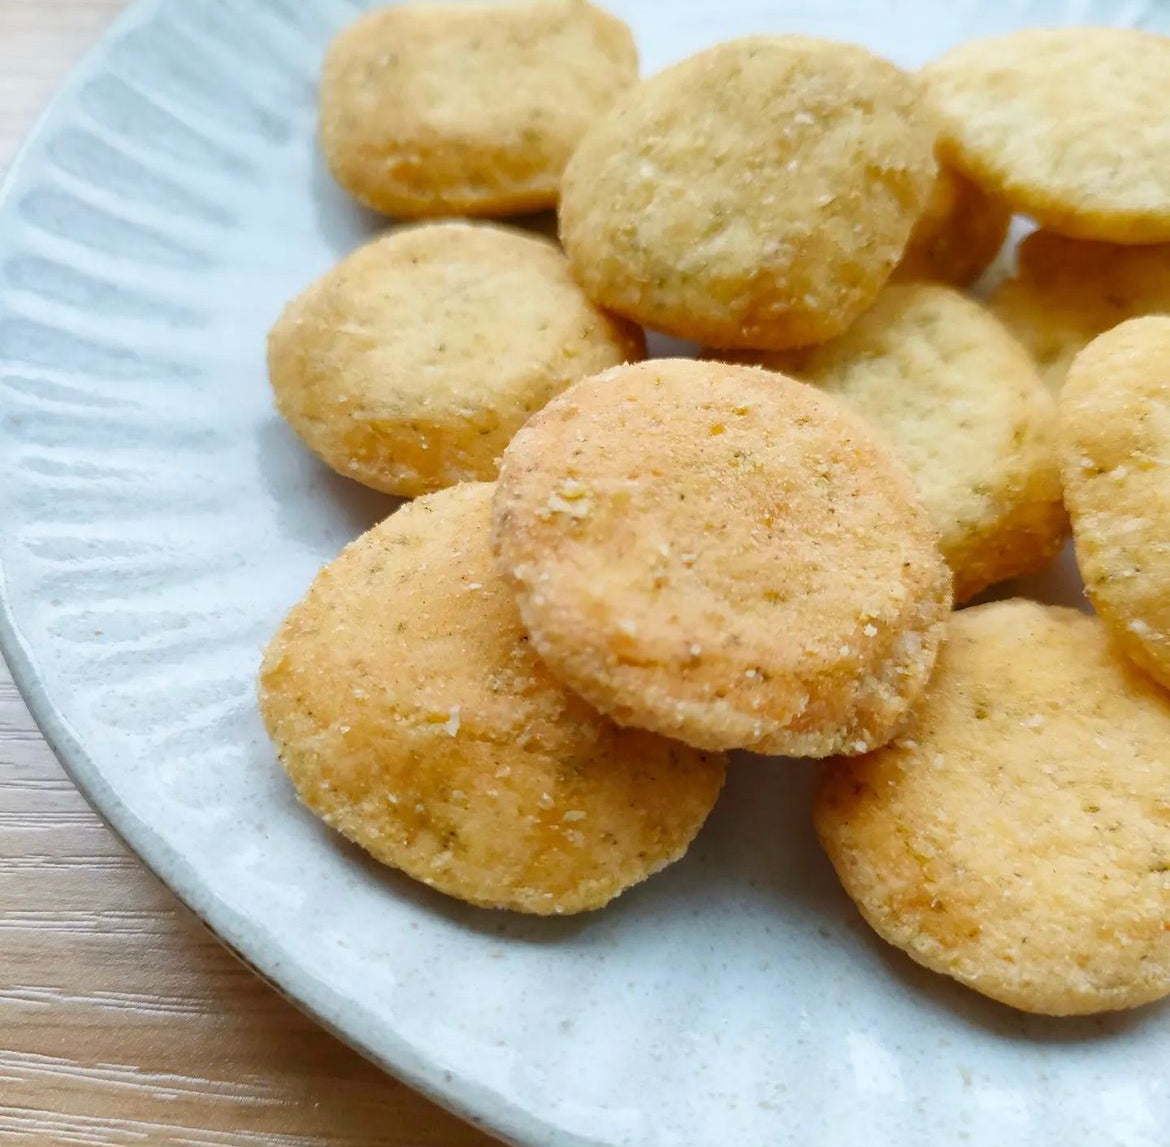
(122, 1021)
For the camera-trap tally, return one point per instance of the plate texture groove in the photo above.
(159, 519)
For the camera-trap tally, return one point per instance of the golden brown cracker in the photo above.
(1067, 125)
(411, 364)
(1066, 292)
(961, 404)
(470, 108)
(1017, 836)
(757, 194)
(724, 555)
(413, 717)
(1115, 455)
(958, 234)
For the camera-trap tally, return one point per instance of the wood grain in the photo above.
(122, 1020)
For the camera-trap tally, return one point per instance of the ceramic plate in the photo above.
(158, 519)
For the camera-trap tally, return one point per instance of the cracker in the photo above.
(1115, 455)
(722, 555)
(468, 109)
(1068, 291)
(414, 718)
(757, 194)
(411, 364)
(1017, 837)
(958, 234)
(961, 404)
(1067, 125)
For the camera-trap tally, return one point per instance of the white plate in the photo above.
(157, 521)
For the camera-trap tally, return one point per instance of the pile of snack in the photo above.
(519, 687)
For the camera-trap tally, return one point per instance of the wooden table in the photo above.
(122, 1021)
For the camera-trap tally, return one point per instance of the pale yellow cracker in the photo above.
(1115, 455)
(958, 234)
(411, 364)
(724, 555)
(1067, 125)
(756, 195)
(413, 717)
(1017, 836)
(1068, 291)
(468, 108)
(961, 404)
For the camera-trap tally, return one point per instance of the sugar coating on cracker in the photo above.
(1115, 456)
(413, 716)
(1017, 836)
(470, 108)
(1065, 292)
(1067, 125)
(758, 194)
(961, 404)
(722, 555)
(410, 365)
(958, 234)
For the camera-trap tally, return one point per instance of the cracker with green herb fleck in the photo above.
(412, 715)
(1066, 292)
(957, 235)
(1017, 835)
(470, 108)
(757, 194)
(723, 555)
(961, 403)
(410, 365)
(1115, 455)
(1099, 172)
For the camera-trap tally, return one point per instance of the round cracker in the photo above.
(468, 109)
(1017, 837)
(1101, 172)
(411, 364)
(1115, 456)
(757, 194)
(723, 555)
(1068, 291)
(958, 234)
(414, 718)
(961, 404)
